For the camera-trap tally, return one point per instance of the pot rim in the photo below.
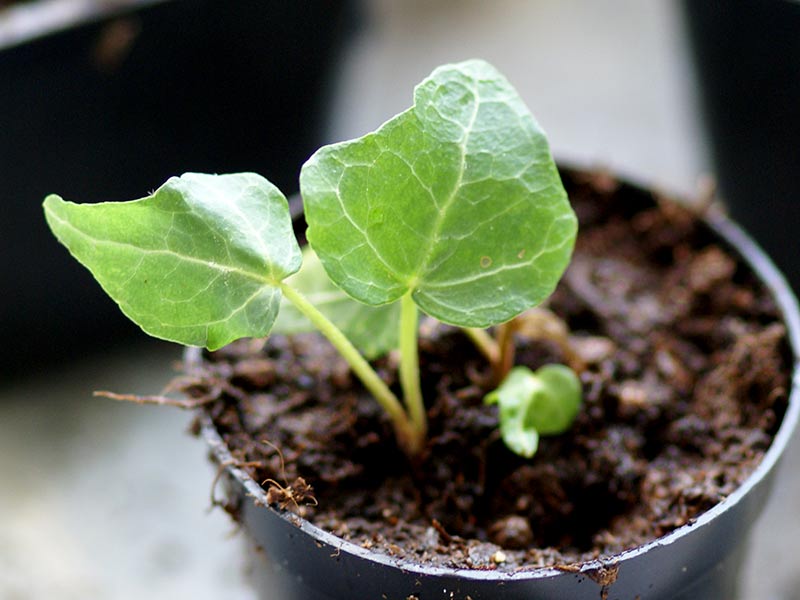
(30, 21)
(769, 275)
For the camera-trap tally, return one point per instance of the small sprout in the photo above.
(534, 403)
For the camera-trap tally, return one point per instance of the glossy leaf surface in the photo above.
(456, 200)
(198, 262)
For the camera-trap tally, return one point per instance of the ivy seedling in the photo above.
(534, 403)
(454, 207)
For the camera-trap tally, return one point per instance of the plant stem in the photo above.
(485, 343)
(404, 429)
(505, 342)
(409, 366)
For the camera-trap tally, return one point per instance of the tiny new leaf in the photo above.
(199, 262)
(372, 329)
(457, 201)
(534, 403)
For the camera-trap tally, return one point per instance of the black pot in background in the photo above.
(110, 107)
(747, 55)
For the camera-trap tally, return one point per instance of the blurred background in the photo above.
(105, 99)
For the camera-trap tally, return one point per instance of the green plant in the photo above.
(534, 403)
(454, 207)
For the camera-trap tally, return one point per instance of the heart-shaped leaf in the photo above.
(372, 329)
(198, 262)
(456, 200)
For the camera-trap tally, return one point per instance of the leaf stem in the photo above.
(409, 366)
(485, 343)
(405, 431)
(505, 342)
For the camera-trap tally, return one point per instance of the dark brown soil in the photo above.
(685, 384)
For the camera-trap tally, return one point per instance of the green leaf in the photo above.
(198, 262)
(544, 402)
(372, 329)
(456, 200)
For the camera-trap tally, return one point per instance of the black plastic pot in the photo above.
(747, 56)
(701, 560)
(100, 100)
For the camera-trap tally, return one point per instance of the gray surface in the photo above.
(108, 500)
(91, 504)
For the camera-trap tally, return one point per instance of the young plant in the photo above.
(454, 207)
(534, 403)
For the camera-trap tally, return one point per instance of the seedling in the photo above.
(534, 403)
(454, 207)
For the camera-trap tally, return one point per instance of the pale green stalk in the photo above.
(409, 365)
(407, 434)
(505, 342)
(485, 343)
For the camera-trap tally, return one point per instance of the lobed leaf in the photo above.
(198, 262)
(456, 200)
(372, 329)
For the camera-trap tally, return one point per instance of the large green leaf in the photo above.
(198, 262)
(373, 329)
(456, 200)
